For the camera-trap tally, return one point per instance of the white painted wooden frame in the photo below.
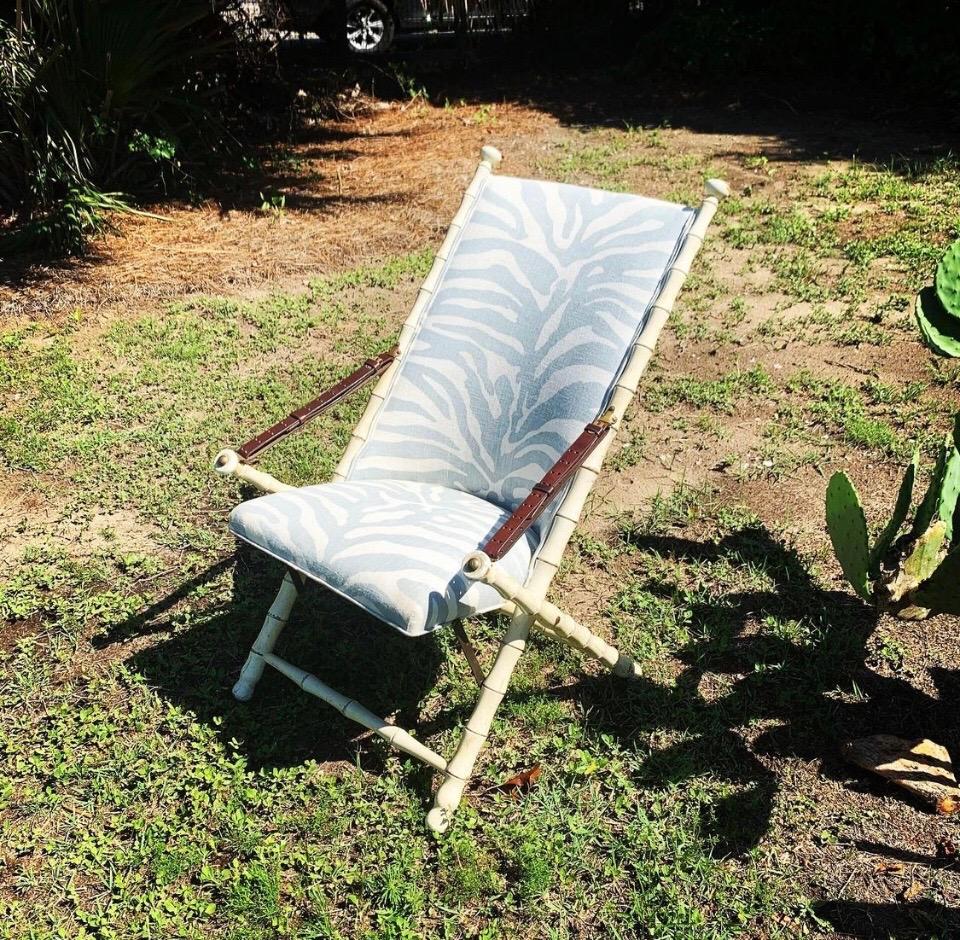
(526, 605)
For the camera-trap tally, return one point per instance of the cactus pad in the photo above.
(948, 279)
(922, 562)
(900, 510)
(931, 499)
(941, 591)
(947, 504)
(940, 330)
(848, 532)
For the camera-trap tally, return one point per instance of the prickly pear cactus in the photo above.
(900, 510)
(940, 329)
(925, 556)
(916, 568)
(931, 499)
(847, 526)
(949, 491)
(926, 576)
(948, 279)
(941, 591)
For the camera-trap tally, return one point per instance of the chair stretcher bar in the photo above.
(350, 708)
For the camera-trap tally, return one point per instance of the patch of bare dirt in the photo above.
(384, 184)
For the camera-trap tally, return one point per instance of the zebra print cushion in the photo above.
(526, 334)
(393, 548)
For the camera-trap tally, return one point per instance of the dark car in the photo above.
(369, 27)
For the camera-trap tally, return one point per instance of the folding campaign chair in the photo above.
(469, 469)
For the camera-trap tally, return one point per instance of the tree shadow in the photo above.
(326, 635)
(753, 686)
(918, 919)
(757, 681)
(787, 127)
(815, 116)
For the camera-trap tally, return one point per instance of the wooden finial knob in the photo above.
(718, 188)
(491, 156)
(226, 462)
(476, 565)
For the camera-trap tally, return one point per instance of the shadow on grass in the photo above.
(326, 635)
(795, 119)
(744, 692)
(813, 126)
(919, 919)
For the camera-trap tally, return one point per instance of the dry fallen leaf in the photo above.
(947, 805)
(889, 868)
(914, 891)
(522, 782)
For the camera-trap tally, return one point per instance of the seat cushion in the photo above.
(392, 547)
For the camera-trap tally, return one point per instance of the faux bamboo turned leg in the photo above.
(460, 768)
(555, 623)
(548, 617)
(273, 625)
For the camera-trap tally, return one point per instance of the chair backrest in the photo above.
(524, 338)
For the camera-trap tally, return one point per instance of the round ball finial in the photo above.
(491, 156)
(718, 188)
(226, 462)
(476, 565)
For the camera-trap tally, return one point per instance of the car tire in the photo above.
(369, 27)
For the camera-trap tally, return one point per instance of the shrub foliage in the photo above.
(103, 96)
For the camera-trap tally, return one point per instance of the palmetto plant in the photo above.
(101, 95)
(914, 572)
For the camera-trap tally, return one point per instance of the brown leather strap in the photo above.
(297, 419)
(556, 477)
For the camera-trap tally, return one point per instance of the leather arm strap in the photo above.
(297, 419)
(543, 492)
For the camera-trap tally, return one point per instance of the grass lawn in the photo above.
(708, 799)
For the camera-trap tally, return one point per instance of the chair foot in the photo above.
(273, 625)
(447, 799)
(626, 668)
(243, 690)
(438, 820)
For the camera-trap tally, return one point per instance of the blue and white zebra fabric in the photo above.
(527, 332)
(394, 548)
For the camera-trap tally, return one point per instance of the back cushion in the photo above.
(526, 334)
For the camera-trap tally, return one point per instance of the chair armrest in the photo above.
(543, 492)
(227, 460)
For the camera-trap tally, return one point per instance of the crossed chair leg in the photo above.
(528, 612)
